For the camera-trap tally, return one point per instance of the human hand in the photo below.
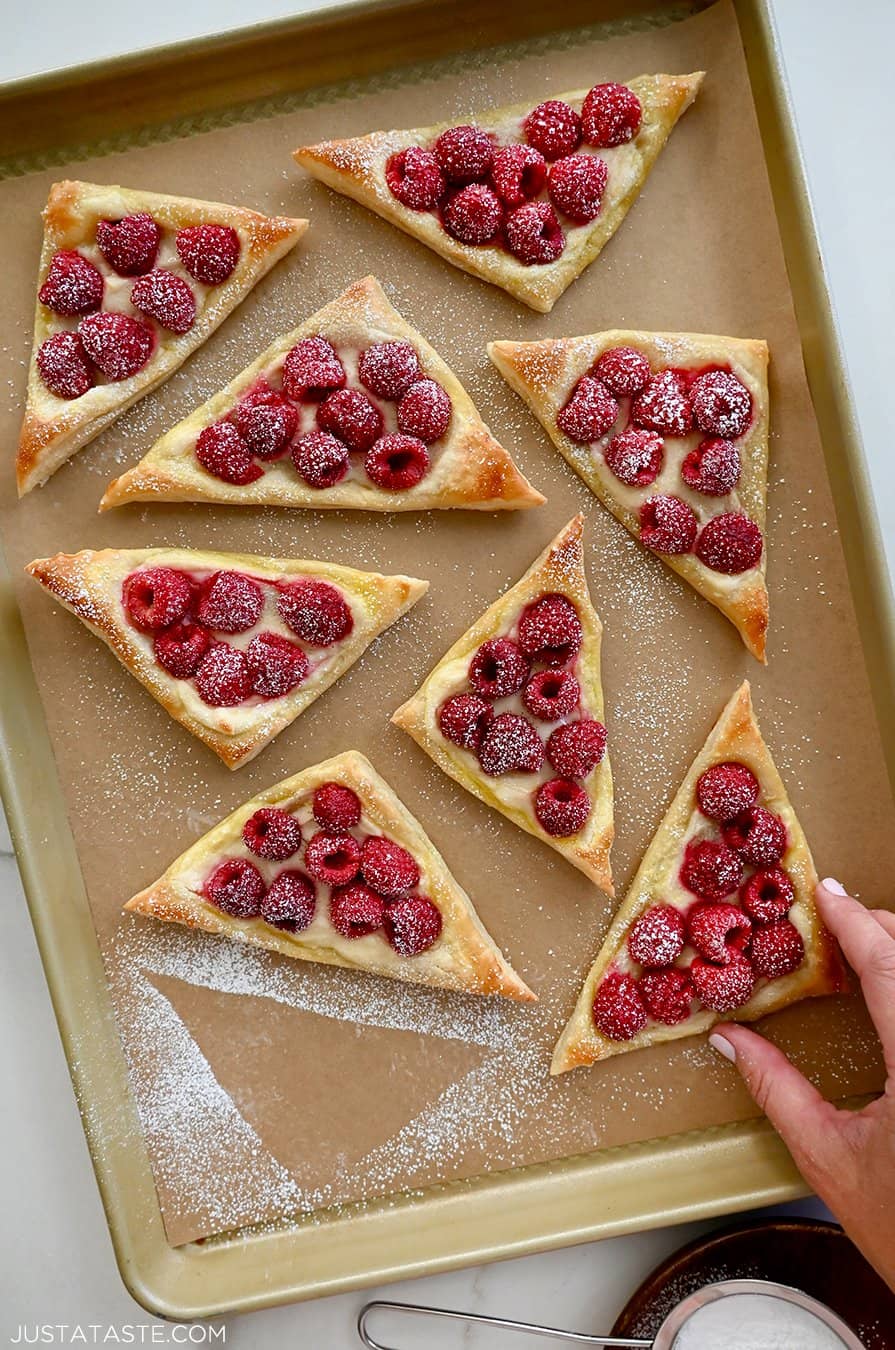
(847, 1157)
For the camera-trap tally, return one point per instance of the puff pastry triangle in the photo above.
(514, 710)
(388, 426)
(670, 431)
(330, 866)
(719, 922)
(130, 284)
(234, 646)
(463, 201)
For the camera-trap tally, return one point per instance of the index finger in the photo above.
(869, 950)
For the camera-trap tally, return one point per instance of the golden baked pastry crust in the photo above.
(735, 736)
(463, 958)
(544, 374)
(356, 167)
(89, 584)
(469, 467)
(54, 428)
(560, 568)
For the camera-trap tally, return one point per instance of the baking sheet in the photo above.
(267, 1087)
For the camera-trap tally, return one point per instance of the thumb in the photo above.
(794, 1106)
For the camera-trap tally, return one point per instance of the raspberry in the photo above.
(356, 911)
(73, 285)
(623, 370)
(663, 405)
(758, 836)
(657, 938)
(518, 172)
(635, 456)
(129, 245)
(730, 543)
(333, 858)
(425, 411)
(387, 867)
(667, 995)
(550, 630)
(351, 416)
(577, 184)
(576, 748)
(463, 720)
(510, 745)
(710, 869)
(311, 370)
(589, 413)
(223, 678)
(414, 176)
(561, 807)
(388, 369)
(208, 252)
(277, 665)
(166, 298)
(223, 453)
(336, 807)
(290, 903)
(722, 988)
(610, 115)
(719, 932)
(618, 1008)
(667, 525)
(777, 950)
(725, 790)
(320, 459)
(272, 834)
(498, 669)
(551, 694)
(180, 648)
(266, 421)
(474, 215)
(553, 128)
(722, 405)
(237, 887)
(713, 468)
(412, 925)
(767, 895)
(534, 235)
(396, 462)
(63, 365)
(156, 597)
(230, 602)
(464, 153)
(119, 345)
(315, 611)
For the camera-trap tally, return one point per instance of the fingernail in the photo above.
(833, 886)
(723, 1046)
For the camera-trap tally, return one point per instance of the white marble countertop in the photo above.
(56, 1261)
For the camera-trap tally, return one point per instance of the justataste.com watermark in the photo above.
(125, 1333)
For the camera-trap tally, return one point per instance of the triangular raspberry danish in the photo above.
(351, 409)
(130, 284)
(330, 866)
(232, 645)
(719, 922)
(526, 197)
(514, 711)
(670, 430)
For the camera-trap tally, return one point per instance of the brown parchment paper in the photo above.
(268, 1086)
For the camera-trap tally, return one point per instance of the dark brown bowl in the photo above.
(807, 1254)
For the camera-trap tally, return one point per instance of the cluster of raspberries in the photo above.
(537, 667)
(734, 944)
(509, 195)
(371, 881)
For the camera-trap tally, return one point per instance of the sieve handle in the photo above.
(500, 1323)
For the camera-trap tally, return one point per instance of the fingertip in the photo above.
(833, 887)
(718, 1041)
